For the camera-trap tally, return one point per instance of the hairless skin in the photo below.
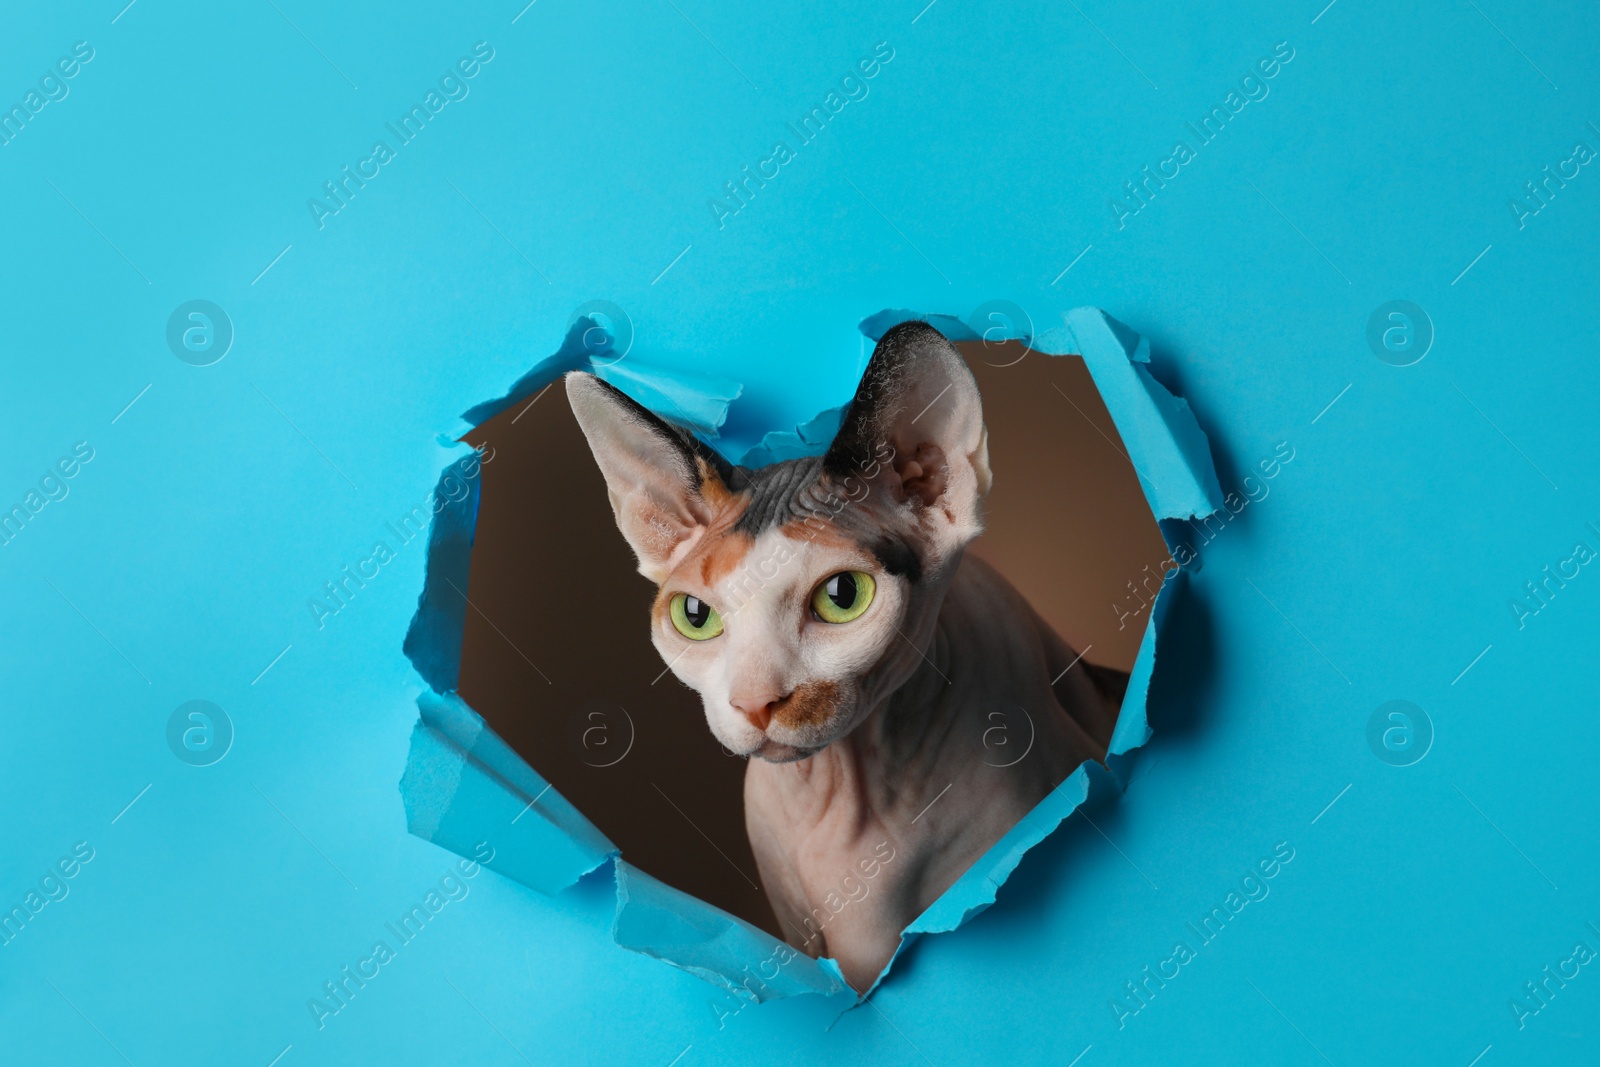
(838, 635)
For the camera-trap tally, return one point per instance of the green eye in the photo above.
(843, 597)
(694, 618)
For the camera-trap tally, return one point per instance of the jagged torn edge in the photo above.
(463, 784)
(696, 401)
(1172, 458)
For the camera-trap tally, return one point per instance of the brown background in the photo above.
(554, 585)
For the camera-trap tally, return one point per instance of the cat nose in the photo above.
(756, 710)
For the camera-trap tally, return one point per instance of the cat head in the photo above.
(796, 597)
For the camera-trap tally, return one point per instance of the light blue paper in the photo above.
(696, 401)
(463, 785)
(669, 925)
(625, 153)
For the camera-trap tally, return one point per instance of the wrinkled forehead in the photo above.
(795, 512)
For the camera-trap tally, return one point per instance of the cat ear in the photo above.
(662, 483)
(915, 429)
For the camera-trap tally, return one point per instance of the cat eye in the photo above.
(843, 597)
(694, 618)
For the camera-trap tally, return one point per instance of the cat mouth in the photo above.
(811, 709)
(778, 752)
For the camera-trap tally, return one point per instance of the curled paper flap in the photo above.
(1133, 723)
(433, 640)
(808, 439)
(1167, 446)
(463, 785)
(698, 402)
(660, 921)
(976, 889)
(1169, 451)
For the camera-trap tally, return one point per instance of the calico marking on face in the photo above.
(794, 597)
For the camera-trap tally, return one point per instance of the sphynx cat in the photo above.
(842, 640)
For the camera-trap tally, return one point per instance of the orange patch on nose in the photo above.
(808, 705)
